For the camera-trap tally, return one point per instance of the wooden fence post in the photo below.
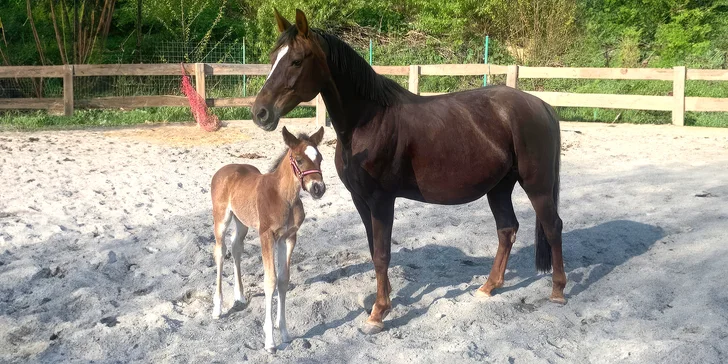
(200, 80)
(320, 111)
(414, 79)
(678, 92)
(68, 90)
(512, 79)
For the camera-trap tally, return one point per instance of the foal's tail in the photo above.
(543, 249)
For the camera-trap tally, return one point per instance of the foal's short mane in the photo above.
(345, 63)
(277, 161)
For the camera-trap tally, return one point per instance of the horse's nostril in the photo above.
(262, 114)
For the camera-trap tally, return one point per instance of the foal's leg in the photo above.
(237, 250)
(501, 204)
(267, 243)
(283, 257)
(382, 219)
(221, 222)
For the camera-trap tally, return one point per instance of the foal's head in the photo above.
(306, 160)
(298, 73)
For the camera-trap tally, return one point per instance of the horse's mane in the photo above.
(345, 63)
(279, 159)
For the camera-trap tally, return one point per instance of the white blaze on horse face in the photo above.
(281, 53)
(311, 153)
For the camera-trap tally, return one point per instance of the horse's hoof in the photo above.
(559, 300)
(271, 350)
(372, 328)
(481, 293)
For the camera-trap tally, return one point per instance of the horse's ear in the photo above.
(301, 23)
(283, 24)
(317, 137)
(290, 140)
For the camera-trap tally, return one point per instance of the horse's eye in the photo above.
(297, 63)
(299, 160)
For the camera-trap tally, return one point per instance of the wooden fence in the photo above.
(677, 102)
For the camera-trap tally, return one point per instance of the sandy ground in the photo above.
(106, 256)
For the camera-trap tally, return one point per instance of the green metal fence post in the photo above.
(370, 51)
(245, 79)
(485, 61)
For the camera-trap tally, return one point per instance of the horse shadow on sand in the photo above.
(599, 249)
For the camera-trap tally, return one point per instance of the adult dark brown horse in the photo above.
(448, 149)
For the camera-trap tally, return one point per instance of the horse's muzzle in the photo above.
(264, 117)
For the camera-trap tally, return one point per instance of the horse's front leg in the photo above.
(382, 217)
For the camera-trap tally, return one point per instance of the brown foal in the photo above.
(271, 204)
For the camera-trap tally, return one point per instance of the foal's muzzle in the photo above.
(317, 189)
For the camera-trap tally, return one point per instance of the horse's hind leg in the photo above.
(221, 221)
(237, 250)
(548, 228)
(501, 204)
(544, 198)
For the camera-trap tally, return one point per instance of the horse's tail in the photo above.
(543, 249)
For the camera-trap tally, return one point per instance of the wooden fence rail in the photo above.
(677, 102)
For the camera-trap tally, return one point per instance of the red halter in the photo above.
(300, 174)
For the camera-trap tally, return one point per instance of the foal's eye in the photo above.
(297, 63)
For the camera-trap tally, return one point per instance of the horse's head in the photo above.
(298, 73)
(306, 160)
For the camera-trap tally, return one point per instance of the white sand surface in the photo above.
(106, 256)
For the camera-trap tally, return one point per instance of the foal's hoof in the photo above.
(480, 293)
(372, 328)
(559, 300)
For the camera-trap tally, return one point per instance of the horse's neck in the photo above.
(284, 181)
(344, 119)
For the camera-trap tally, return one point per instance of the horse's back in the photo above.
(459, 145)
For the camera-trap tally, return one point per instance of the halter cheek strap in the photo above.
(299, 174)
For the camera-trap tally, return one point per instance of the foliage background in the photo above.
(595, 33)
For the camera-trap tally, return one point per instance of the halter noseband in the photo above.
(298, 173)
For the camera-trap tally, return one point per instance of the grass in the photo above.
(40, 120)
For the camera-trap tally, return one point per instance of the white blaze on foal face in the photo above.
(281, 53)
(311, 153)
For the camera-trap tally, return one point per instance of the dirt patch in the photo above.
(180, 135)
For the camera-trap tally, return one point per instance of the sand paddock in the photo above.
(106, 256)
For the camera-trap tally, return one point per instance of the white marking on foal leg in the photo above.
(268, 287)
(237, 250)
(311, 152)
(281, 53)
(219, 254)
(283, 276)
(217, 299)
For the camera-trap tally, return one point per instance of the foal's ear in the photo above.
(283, 24)
(290, 140)
(316, 137)
(301, 23)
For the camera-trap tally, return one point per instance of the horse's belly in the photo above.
(456, 182)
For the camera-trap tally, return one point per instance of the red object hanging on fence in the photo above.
(198, 106)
